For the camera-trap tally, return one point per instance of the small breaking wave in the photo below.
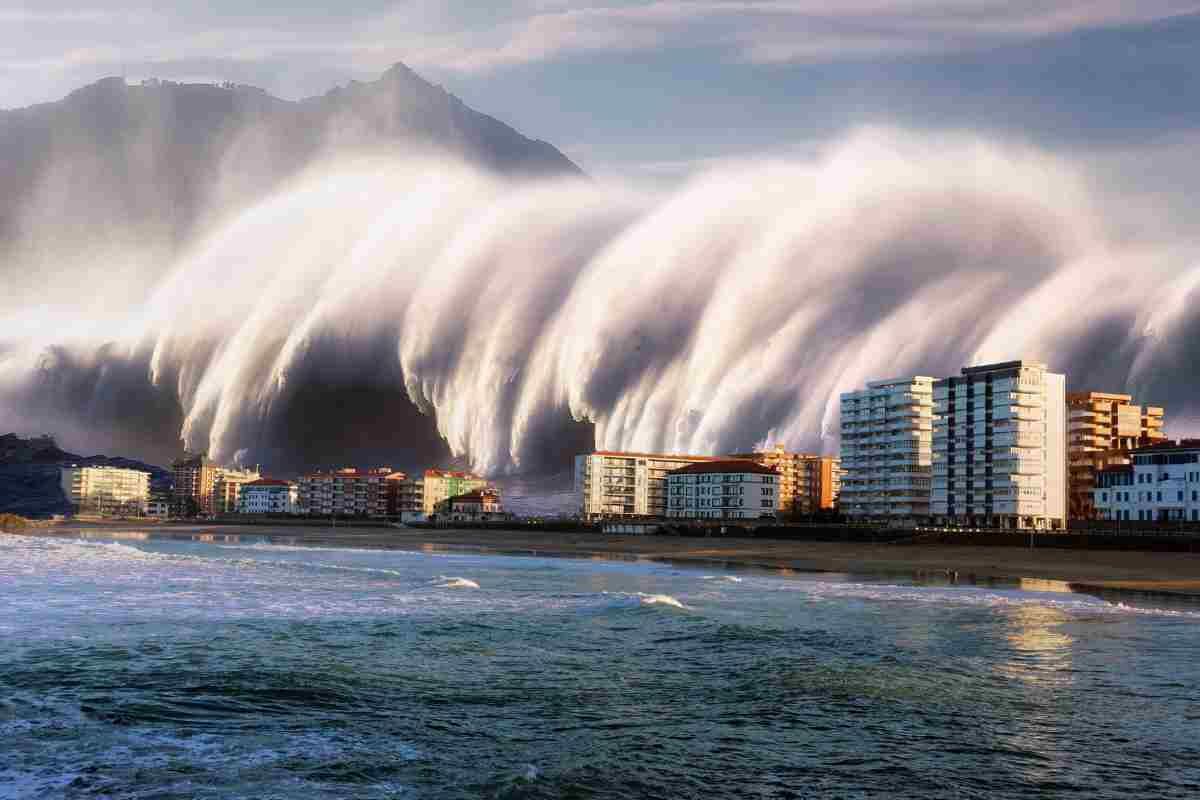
(722, 578)
(660, 600)
(456, 583)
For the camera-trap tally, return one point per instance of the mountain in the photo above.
(30, 483)
(113, 164)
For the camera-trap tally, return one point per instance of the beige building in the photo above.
(1102, 431)
(345, 492)
(887, 449)
(227, 488)
(723, 489)
(107, 491)
(807, 483)
(204, 488)
(614, 484)
(480, 505)
(442, 484)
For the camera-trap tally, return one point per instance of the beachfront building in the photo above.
(348, 492)
(999, 447)
(614, 484)
(266, 496)
(480, 505)
(725, 489)
(159, 505)
(887, 449)
(106, 491)
(1162, 484)
(227, 488)
(405, 497)
(1102, 431)
(195, 476)
(807, 483)
(442, 484)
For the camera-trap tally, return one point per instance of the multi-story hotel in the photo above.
(1102, 430)
(268, 497)
(725, 489)
(1161, 485)
(887, 449)
(999, 447)
(107, 491)
(807, 483)
(441, 484)
(345, 492)
(611, 484)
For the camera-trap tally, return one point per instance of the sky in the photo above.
(662, 88)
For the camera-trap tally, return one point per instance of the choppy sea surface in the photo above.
(161, 669)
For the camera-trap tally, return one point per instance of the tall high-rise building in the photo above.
(442, 484)
(999, 447)
(807, 483)
(107, 490)
(1102, 431)
(887, 449)
(611, 484)
(195, 477)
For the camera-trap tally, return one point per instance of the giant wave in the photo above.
(723, 314)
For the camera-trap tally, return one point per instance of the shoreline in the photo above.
(1175, 575)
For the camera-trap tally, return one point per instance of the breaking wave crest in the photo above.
(457, 583)
(727, 313)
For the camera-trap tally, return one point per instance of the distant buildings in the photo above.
(440, 485)
(1102, 430)
(345, 492)
(887, 449)
(999, 447)
(1161, 485)
(807, 483)
(612, 484)
(266, 496)
(723, 489)
(106, 491)
(204, 488)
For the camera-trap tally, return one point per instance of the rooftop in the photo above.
(1158, 447)
(267, 482)
(727, 467)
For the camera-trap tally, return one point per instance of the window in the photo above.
(1158, 499)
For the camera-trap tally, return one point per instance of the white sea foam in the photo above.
(660, 600)
(457, 583)
(722, 578)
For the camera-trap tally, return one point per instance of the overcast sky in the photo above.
(661, 87)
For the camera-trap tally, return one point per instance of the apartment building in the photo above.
(1102, 431)
(480, 505)
(227, 488)
(268, 497)
(726, 489)
(405, 496)
(106, 491)
(887, 449)
(1162, 484)
(614, 484)
(195, 477)
(999, 447)
(807, 483)
(441, 485)
(347, 492)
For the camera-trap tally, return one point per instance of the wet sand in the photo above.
(1084, 570)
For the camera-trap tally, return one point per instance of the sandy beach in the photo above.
(1083, 570)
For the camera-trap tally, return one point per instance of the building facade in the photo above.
(441, 484)
(614, 484)
(345, 492)
(481, 505)
(727, 489)
(807, 483)
(268, 497)
(228, 486)
(999, 447)
(195, 477)
(405, 496)
(1102, 431)
(107, 491)
(887, 449)
(1161, 485)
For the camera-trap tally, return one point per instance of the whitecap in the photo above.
(660, 599)
(457, 583)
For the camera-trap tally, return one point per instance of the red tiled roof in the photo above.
(665, 456)
(728, 466)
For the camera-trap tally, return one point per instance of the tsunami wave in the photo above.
(724, 314)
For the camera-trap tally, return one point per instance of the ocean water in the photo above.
(157, 669)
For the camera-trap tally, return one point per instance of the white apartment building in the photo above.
(268, 497)
(106, 490)
(611, 484)
(1161, 485)
(887, 449)
(999, 447)
(733, 489)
